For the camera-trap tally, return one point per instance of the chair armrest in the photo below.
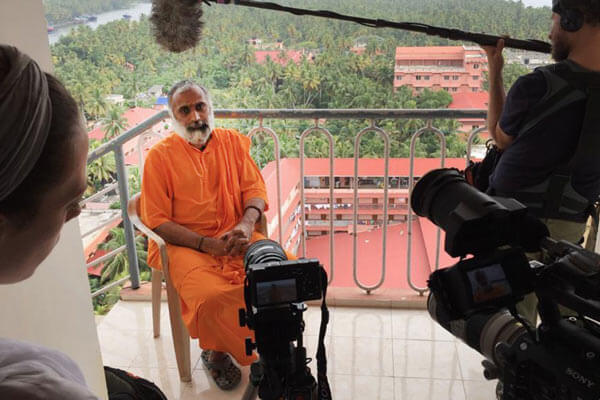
(132, 211)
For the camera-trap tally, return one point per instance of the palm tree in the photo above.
(118, 267)
(113, 123)
(97, 105)
(100, 171)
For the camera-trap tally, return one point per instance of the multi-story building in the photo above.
(470, 101)
(317, 194)
(370, 214)
(456, 69)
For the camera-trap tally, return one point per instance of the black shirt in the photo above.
(532, 156)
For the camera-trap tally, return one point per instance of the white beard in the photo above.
(198, 137)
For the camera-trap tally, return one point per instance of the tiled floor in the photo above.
(372, 354)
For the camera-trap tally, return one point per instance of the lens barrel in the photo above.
(481, 331)
(264, 251)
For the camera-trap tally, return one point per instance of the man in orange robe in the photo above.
(203, 193)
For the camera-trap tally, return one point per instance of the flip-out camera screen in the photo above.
(488, 283)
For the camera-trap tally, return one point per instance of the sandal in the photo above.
(224, 372)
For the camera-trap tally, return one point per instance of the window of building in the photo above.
(455, 77)
(418, 77)
(343, 182)
(399, 77)
(475, 126)
(455, 89)
(475, 90)
(426, 77)
(446, 77)
(370, 183)
(475, 66)
(475, 77)
(311, 182)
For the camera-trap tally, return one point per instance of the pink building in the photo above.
(456, 69)
(282, 57)
(470, 101)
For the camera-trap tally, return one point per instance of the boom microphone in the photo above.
(176, 24)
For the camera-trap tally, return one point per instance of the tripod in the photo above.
(273, 380)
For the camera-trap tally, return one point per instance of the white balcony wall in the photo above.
(53, 308)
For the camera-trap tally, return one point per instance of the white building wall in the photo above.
(53, 308)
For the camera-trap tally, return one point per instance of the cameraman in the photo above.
(537, 125)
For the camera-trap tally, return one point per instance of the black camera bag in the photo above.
(123, 385)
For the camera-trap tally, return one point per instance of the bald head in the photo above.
(192, 112)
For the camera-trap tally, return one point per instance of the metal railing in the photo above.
(115, 146)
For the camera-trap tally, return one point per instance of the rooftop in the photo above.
(477, 100)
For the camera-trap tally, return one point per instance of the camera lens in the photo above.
(263, 251)
(473, 221)
(481, 331)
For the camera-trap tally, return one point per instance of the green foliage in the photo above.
(122, 58)
(113, 123)
(59, 11)
(101, 171)
(510, 74)
(118, 267)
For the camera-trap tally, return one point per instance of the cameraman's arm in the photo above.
(497, 95)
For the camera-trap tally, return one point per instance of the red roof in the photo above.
(369, 255)
(430, 53)
(290, 172)
(470, 100)
(276, 56)
(133, 116)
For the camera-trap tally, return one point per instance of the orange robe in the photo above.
(204, 191)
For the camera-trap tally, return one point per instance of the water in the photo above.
(135, 12)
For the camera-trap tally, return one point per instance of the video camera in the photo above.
(275, 290)
(476, 298)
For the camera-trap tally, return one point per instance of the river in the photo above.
(103, 18)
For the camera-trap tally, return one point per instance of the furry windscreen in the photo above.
(176, 23)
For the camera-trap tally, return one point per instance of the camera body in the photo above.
(279, 282)
(476, 298)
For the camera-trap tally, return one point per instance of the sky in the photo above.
(538, 3)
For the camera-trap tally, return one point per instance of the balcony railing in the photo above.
(115, 146)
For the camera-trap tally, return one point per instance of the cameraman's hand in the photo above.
(495, 58)
(237, 240)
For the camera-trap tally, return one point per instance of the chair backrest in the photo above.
(132, 206)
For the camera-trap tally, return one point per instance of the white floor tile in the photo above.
(361, 356)
(428, 389)
(352, 387)
(372, 354)
(167, 379)
(120, 347)
(204, 388)
(367, 323)
(470, 362)
(161, 353)
(426, 359)
(480, 390)
(132, 315)
(417, 325)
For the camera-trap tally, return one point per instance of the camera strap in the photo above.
(322, 381)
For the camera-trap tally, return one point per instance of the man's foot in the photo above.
(222, 369)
